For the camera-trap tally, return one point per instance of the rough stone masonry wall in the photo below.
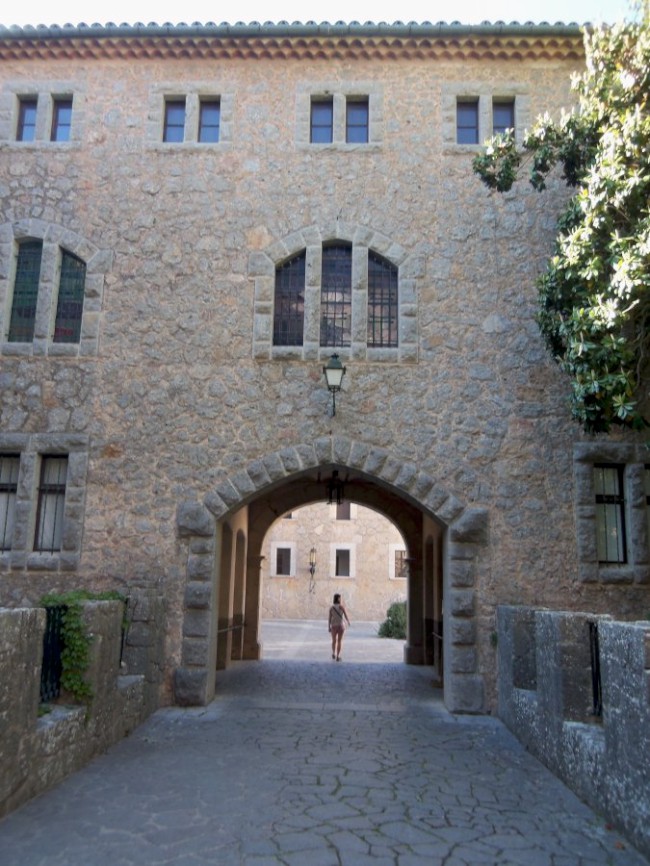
(546, 699)
(168, 399)
(36, 751)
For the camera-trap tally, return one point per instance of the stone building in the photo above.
(311, 553)
(194, 220)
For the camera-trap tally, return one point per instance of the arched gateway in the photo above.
(224, 535)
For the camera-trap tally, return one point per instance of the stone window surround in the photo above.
(339, 92)
(273, 564)
(46, 92)
(353, 512)
(634, 459)
(341, 545)
(31, 447)
(54, 238)
(262, 267)
(486, 93)
(193, 93)
(392, 550)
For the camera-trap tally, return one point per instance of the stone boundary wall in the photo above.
(546, 699)
(38, 752)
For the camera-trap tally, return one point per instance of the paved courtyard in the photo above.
(307, 762)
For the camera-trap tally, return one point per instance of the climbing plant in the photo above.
(75, 655)
(594, 303)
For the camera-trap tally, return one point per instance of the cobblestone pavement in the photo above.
(307, 762)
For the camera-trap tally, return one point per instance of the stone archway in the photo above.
(295, 471)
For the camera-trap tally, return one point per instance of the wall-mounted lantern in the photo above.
(334, 372)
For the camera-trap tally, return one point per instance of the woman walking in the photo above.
(337, 621)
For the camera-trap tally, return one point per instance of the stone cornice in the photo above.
(295, 41)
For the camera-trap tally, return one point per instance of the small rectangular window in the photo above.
(51, 502)
(356, 120)
(467, 121)
(503, 115)
(70, 302)
(26, 128)
(322, 121)
(610, 513)
(343, 511)
(209, 120)
(401, 565)
(174, 129)
(9, 465)
(61, 119)
(283, 561)
(342, 562)
(25, 295)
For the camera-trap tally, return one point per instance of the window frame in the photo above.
(319, 103)
(25, 292)
(352, 104)
(289, 301)
(48, 539)
(604, 501)
(8, 495)
(499, 103)
(71, 293)
(173, 103)
(336, 295)
(463, 103)
(26, 103)
(205, 104)
(388, 301)
(273, 555)
(61, 127)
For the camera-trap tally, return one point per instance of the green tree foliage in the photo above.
(395, 623)
(594, 303)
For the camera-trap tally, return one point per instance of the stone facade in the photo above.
(367, 577)
(188, 431)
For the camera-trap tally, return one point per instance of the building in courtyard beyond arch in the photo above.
(193, 220)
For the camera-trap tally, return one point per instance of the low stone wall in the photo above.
(548, 700)
(37, 752)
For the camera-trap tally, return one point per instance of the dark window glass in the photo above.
(174, 130)
(51, 501)
(356, 121)
(70, 303)
(503, 115)
(467, 121)
(283, 561)
(322, 121)
(401, 565)
(342, 563)
(289, 306)
(610, 512)
(382, 301)
(25, 295)
(343, 511)
(9, 464)
(336, 296)
(26, 129)
(209, 120)
(61, 119)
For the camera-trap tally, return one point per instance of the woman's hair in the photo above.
(337, 598)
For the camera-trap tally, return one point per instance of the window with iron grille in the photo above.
(610, 512)
(467, 121)
(283, 561)
(401, 565)
(61, 118)
(503, 115)
(25, 293)
(51, 502)
(342, 562)
(382, 301)
(209, 120)
(336, 296)
(356, 119)
(70, 302)
(321, 127)
(26, 128)
(174, 128)
(289, 307)
(9, 465)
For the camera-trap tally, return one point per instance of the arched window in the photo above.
(25, 295)
(382, 301)
(289, 308)
(70, 302)
(336, 296)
